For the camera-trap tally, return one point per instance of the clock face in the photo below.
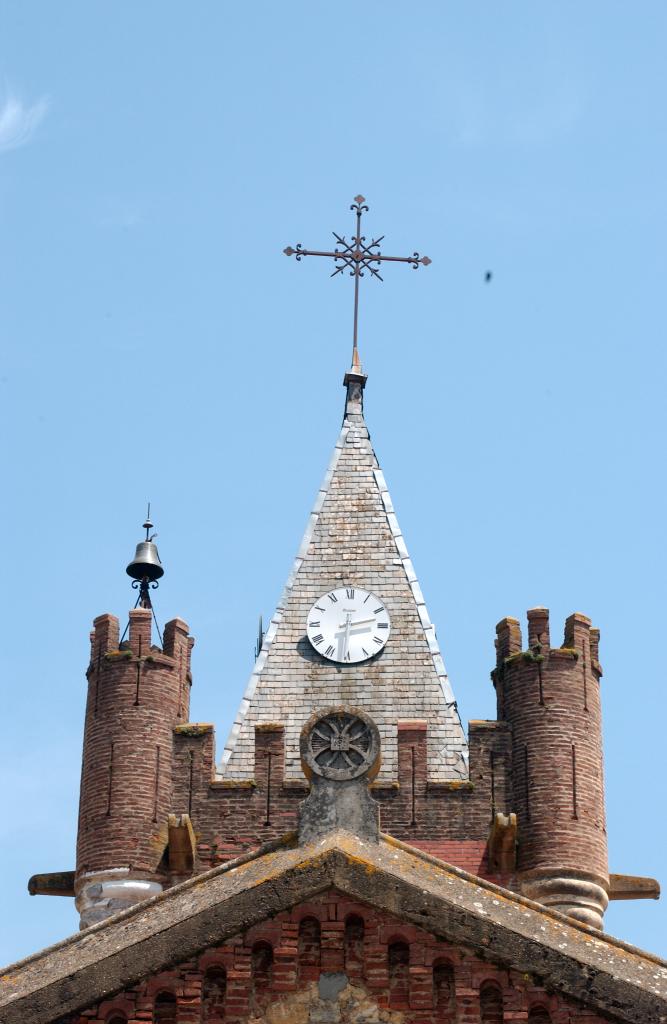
(348, 625)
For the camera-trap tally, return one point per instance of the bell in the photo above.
(146, 564)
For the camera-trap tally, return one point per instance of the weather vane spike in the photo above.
(148, 526)
(357, 256)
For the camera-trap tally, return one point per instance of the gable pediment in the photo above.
(491, 924)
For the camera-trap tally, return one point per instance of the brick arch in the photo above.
(165, 1008)
(166, 982)
(118, 1010)
(491, 1003)
(261, 974)
(223, 957)
(314, 911)
(443, 961)
(398, 966)
(213, 994)
(309, 941)
(353, 944)
(539, 1015)
(444, 991)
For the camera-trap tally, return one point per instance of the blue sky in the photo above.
(155, 159)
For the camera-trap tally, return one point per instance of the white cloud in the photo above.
(18, 122)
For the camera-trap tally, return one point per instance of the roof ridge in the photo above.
(517, 897)
(388, 875)
(286, 841)
(289, 841)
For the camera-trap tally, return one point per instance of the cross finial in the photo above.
(357, 256)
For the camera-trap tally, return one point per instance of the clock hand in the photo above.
(346, 635)
(358, 622)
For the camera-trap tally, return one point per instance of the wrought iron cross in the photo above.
(357, 256)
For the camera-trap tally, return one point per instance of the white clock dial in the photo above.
(348, 625)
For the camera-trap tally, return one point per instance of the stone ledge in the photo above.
(233, 784)
(450, 786)
(194, 729)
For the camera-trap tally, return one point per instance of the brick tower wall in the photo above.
(137, 693)
(550, 696)
(450, 820)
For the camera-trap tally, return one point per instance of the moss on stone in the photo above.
(193, 729)
(532, 655)
(118, 655)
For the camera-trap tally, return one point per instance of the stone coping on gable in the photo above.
(598, 970)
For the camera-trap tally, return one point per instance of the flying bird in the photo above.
(488, 276)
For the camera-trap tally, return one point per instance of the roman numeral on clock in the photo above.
(333, 598)
(376, 611)
(329, 651)
(350, 593)
(318, 639)
(381, 625)
(314, 625)
(378, 640)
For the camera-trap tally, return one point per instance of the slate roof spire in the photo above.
(352, 538)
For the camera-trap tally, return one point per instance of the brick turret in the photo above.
(137, 694)
(550, 696)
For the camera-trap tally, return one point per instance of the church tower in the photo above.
(550, 697)
(352, 855)
(138, 693)
(518, 802)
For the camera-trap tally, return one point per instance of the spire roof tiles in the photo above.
(352, 537)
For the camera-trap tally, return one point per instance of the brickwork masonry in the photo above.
(137, 693)
(542, 760)
(450, 820)
(334, 959)
(550, 698)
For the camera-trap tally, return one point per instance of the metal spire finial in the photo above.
(146, 568)
(357, 256)
(148, 526)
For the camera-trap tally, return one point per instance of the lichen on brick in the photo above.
(118, 655)
(193, 729)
